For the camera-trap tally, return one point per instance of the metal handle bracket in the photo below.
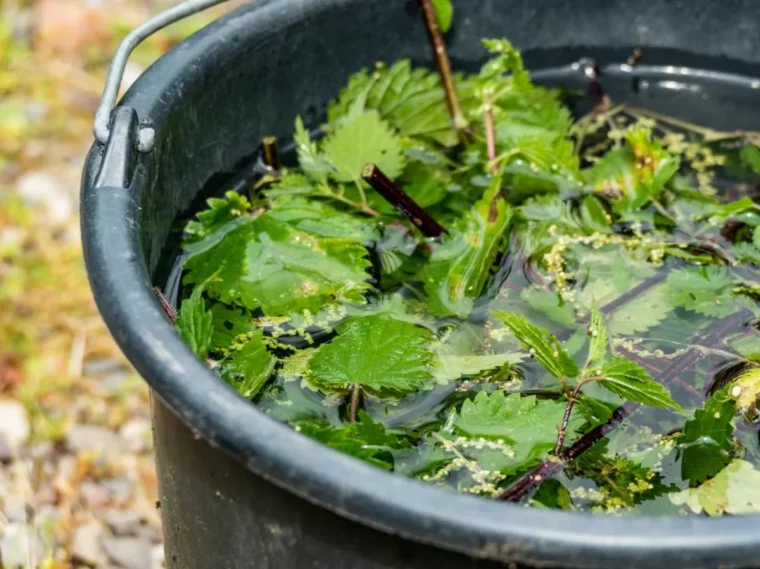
(145, 134)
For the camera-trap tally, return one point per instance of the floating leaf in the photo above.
(362, 140)
(542, 345)
(195, 323)
(377, 352)
(249, 366)
(219, 213)
(705, 444)
(633, 383)
(461, 265)
(528, 424)
(366, 439)
(735, 490)
(550, 304)
(265, 263)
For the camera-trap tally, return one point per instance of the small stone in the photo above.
(157, 557)
(14, 509)
(120, 489)
(124, 523)
(136, 434)
(90, 437)
(43, 190)
(14, 424)
(130, 553)
(18, 544)
(93, 495)
(86, 547)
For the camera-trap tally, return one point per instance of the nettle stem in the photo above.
(442, 62)
(490, 137)
(270, 152)
(556, 462)
(169, 310)
(399, 199)
(356, 398)
(566, 419)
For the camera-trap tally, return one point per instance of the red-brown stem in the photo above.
(399, 199)
(356, 397)
(169, 310)
(442, 62)
(566, 419)
(270, 152)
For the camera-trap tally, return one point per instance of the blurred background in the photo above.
(77, 484)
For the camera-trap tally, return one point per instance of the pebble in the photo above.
(43, 190)
(93, 495)
(128, 552)
(18, 544)
(86, 544)
(91, 437)
(120, 488)
(136, 434)
(14, 508)
(123, 523)
(14, 423)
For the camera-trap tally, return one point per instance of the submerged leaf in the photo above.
(706, 290)
(377, 352)
(705, 444)
(599, 341)
(249, 365)
(633, 383)
(542, 345)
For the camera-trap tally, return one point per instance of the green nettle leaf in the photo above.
(361, 140)
(724, 212)
(633, 383)
(249, 365)
(412, 101)
(595, 217)
(321, 219)
(750, 155)
(528, 424)
(756, 235)
(460, 266)
(366, 439)
(195, 323)
(379, 353)
(598, 338)
(229, 325)
(735, 490)
(313, 164)
(706, 443)
(444, 12)
(706, 290)
(636, 173)
(265, 263)
(543, 346)
(219, 214)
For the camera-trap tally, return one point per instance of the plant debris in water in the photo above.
(461, 283)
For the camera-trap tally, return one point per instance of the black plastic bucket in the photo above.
(239, 490)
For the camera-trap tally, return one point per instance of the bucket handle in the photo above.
(102, 126)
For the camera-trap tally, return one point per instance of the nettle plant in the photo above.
(456, 280)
